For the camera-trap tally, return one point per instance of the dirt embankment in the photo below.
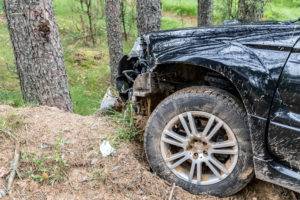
(61, 160)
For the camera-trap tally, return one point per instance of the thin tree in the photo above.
(114, 35)
(229, 5)
(123, 16)
(38, 53)
(148, 16)
(251, 10)
(205, 12)
(90, 10)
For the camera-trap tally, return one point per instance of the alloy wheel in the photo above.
(199, 147)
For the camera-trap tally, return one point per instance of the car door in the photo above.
(284, 127)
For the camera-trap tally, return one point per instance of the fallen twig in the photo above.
(14, 167)
(172, 192)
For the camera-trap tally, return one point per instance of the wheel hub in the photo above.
(197, 147)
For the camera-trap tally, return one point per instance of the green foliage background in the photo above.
(87, 66)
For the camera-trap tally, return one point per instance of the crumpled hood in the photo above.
(163, 44)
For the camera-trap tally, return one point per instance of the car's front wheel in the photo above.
(198, 139)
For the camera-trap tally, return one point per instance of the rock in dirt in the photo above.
(106, 149)
(109, 101)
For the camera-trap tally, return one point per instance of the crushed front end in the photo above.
(135, 80)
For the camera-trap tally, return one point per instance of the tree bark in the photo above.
(229, 4)
(114, 35)
(89, 14)
(148, 16)
(38, 52)
(205, 12)
(123, 15)
(251, 10)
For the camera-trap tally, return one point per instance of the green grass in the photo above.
(180, 7)
(45, 169)
(9, 86)
(126, 131)
(88, 66)
(274, 9)
(169, 23)
(282, 10)
(13, 98)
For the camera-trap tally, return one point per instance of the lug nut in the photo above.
(196, 155)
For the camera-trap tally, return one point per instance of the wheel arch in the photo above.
(210, 74)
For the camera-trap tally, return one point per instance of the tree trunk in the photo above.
(89, 14)
(229, 4)
(114, 35)
(148, 16)
(251, 10)
(205, 12)
(38, 52)
(123, 16)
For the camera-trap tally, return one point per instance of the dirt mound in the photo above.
(61, 160)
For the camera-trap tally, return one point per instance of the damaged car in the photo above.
(223, 104)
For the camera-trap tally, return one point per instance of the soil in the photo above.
(125, 175)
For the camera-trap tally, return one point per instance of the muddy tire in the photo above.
(198, 138)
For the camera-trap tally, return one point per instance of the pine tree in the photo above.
(38, 53)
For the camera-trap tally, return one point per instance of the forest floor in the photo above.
(60, 159)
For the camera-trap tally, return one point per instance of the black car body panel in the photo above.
(284, 127)
(262, 61)
(252, 57)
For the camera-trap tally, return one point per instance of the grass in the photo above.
(126, 131)
(169, 23)
(13, 98)
(9, 86)
(45, 169)
(180, 7)
(88, 66)
(98, 175)
(282, 10)
(274, 9)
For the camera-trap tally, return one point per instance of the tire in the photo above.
(223, 108)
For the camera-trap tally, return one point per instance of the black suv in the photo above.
(224, 104)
